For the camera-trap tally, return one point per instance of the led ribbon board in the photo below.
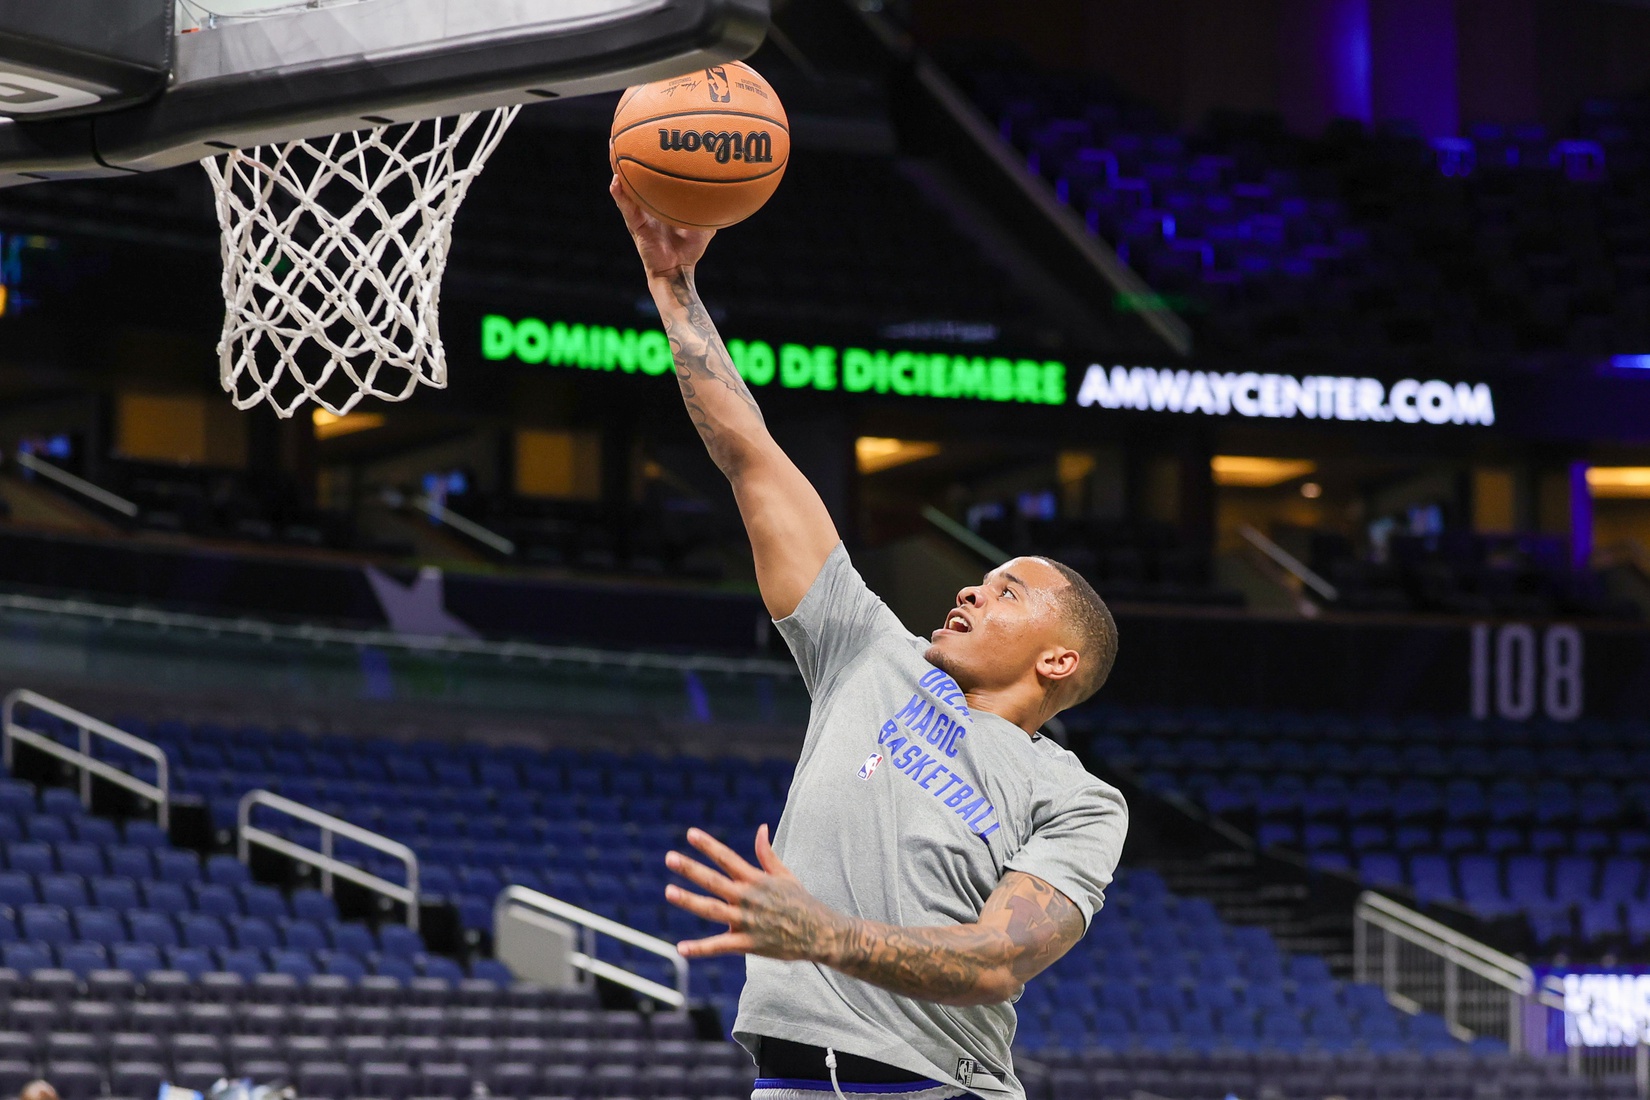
(907, 373)
(792, 366)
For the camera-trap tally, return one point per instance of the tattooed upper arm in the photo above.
(1041, 923)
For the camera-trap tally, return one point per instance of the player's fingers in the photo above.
(712, 909)
(723, 856)
(632, 214)
(766, 856)
(701, 876)
(728, 943)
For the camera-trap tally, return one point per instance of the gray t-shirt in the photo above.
(908, 808)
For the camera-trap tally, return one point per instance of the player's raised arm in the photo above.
(791, 533)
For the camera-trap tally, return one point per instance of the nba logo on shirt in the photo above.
(966, 1068)
(867, 769)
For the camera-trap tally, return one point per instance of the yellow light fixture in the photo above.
(875, 453)
(1619, 481)
(1254, 472)
(331, 426)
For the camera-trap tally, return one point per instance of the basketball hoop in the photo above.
(333, 252)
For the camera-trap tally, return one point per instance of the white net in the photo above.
(333, 251)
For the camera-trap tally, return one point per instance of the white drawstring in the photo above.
(830, 1064)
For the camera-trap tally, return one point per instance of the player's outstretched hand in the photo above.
(767, 911)
(664, 248)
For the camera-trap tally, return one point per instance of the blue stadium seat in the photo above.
(130, 861)
(259, 900)
(61, 802)
(203, 931)
(1573, 878)
(115, 892)
(193, 961)
(99, 924)
(47, 924)
(166, 897)
(94, 830)
(24, 957)
(177, 865)
(67, 890)
(400, 941)
(81, 858)
(139, 958)
(343, 964)
(1381, 869)
(17, 889)
(154, 929)
(83, 958)
(31, 857)
(312, 905)
(491, 970)
(145, 834)
(216, 901)
(296, 963)
(303, 935)
(255, 933)
(1619, 881)
(393, 966)
(1638, 922)
(439, 966)
(16, 797)
(243, 961)
(225, 870)
(1431, 878)
(354, 939)
(46, 828)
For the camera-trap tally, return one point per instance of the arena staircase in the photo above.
(1198, 856)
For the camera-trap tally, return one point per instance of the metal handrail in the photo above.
(1289, 563)
(158, 792)
(1422, 931)
(984, 547)
(262, 630)
(440, 513)
(77, 484)
(323, 860)
(593, 923)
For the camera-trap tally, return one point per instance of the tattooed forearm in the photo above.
(718, 401)
(1025, 926)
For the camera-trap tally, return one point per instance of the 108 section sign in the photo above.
(1518, 669)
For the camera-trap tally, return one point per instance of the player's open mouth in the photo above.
(956, 622)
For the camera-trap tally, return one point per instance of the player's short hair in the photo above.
(1089, 619)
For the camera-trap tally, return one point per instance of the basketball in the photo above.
(703, 150)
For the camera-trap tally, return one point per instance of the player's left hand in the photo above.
(767, 910)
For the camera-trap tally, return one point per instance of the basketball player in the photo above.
(936, 852)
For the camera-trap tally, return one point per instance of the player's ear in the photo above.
(1058, 663)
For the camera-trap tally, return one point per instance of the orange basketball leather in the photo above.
(703, 150)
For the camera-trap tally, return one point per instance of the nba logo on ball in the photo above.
(867, 769)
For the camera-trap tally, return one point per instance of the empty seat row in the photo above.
(76, 1079)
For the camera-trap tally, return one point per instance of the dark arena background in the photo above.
(342, 750)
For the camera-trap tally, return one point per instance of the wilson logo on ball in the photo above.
(755, 147)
